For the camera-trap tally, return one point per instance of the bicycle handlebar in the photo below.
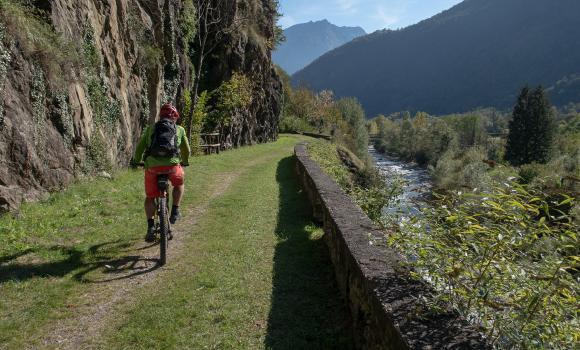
(142, 165)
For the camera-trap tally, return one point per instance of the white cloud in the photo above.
(348, 6)
(287, 21)
(385, 18)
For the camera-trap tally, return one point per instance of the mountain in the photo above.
(307, 41)
(478, 53)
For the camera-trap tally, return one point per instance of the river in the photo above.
(416, 183)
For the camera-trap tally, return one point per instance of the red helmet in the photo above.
(168, 111)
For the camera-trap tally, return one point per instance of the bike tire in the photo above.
(163, 231)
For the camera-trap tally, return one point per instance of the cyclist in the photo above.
(164, 149)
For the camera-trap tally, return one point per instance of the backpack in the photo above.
(164, 140)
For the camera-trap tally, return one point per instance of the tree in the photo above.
(531, 131)
(232, 96)
(213, 28)
(373, 127)
(353, 114)
(279, 36)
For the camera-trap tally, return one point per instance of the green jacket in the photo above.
(151, 161)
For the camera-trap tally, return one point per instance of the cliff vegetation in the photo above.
(79, 80)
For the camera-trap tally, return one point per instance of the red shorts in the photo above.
(176, 176)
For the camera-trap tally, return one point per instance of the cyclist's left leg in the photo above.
(151, 191)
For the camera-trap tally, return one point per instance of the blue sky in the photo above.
(369, 14)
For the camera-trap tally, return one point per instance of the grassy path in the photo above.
(248, 270)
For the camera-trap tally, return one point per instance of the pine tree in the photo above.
(531, 132)
(516, 147)
(545, 127)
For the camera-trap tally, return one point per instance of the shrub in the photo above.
(370, 189)
(528, 172)
(325, 154)
(461, 169)
(422, 139)
(353, 114)
(38, 97)
(496, 148)
(106, 110)
(199, 116)
(292, 124)
(97, 155)
(63, 119)
(91, 55)
(503, 262)
(232, 96)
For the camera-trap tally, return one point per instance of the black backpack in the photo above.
(164, 140)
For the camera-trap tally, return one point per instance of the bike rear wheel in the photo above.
(163, 230)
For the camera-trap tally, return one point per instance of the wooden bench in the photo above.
(211, 143)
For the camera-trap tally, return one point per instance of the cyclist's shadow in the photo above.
(119, 268)
(100, 263)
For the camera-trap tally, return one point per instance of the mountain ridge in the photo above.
(307, 41)
(456, 61)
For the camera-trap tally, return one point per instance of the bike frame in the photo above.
(163, 186)
(162, 225)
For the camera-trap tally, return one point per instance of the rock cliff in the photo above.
(79, 79)
(249, 50)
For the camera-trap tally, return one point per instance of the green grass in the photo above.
(255, 272)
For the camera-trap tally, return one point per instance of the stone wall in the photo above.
(385, 303)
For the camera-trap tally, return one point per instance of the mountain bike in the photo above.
(162, 225)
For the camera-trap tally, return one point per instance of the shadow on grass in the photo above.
(98, 258)
(307, 311)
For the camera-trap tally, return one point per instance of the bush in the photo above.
(292, 124)
(325, 154)
(370, 189)
(421, 139)
(503, 262)
(461, 170)
(353, 114)
(199, 117)
(232, 96)
(496, 149)
(106, 110)
(97, 155)
(529, 172)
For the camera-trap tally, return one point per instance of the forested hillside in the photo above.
(306, 42)
(478, 53)
(79, 79)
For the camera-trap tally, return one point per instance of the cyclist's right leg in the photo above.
(177, 195)
(177, 179)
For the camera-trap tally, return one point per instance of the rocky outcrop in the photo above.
(248, 50)
(75, 100)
